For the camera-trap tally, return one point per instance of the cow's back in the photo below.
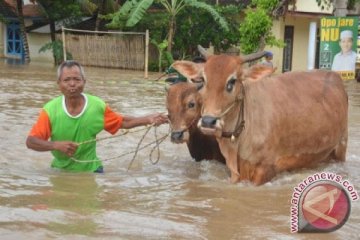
(292, 114)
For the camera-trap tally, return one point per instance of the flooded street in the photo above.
(177, 198)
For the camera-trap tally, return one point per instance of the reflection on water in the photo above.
(176, 198)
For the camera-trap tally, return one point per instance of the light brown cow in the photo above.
(267, 124)
(184, 103)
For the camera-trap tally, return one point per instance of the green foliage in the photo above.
(210, 9)
(129, 14)
(57, 49)
(88, 6)
(60, 9)
(138, 11)
(133, 11)
(255, 31)
(257, 25)
(267, 5)
(198, 27)
(161, 49)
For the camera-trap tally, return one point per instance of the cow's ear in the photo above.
(188, 69)
(258, 71)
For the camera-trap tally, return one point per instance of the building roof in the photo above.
(89, 24)
(45, 27)
(32, 10)
(8, 10)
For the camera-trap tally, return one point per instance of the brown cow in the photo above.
(183, 102)
(268, 124)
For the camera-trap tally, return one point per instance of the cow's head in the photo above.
(183, 103)
(223, 89)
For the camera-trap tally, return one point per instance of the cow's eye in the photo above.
(230, 84)
(191, 104)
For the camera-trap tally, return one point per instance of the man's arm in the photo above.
(155, 118)
(38, 144)
(40, 133)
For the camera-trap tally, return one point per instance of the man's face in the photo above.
(71, 84)
(346, 44)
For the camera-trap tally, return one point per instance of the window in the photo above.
(14, 44)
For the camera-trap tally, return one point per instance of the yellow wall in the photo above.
(278, 31)
(301, 41)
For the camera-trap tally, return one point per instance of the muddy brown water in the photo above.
(177, 198)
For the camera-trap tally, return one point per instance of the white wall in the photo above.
(36, 41)
(312, 6)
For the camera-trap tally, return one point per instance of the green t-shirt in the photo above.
(83, 127)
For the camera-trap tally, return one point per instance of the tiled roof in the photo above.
(6, 10)
(32, 10)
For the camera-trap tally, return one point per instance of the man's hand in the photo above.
(69, 148)
(158, 118)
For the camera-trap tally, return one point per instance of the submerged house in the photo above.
(11, 46)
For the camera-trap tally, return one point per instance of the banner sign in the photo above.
(338, 45)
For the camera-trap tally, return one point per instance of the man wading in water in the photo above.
(76, 117)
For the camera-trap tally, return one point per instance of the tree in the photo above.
(133, 11)
(99, 7)
(197, 27)
(67, 11)
(19, 8)
(255, 31)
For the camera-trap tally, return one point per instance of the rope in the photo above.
(113, 136)
(157, 143)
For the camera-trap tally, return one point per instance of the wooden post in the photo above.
(63, 40)
(146, 53)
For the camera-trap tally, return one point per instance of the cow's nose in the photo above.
(208, 121)
(177, 136)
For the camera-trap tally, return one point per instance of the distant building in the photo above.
(296, 27)
(11, 45)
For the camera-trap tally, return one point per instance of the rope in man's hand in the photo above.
(157, 143)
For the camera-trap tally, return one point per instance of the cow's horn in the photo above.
(203, 52)
(167, 87)
(253, 56)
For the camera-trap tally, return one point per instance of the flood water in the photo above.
(177, 198)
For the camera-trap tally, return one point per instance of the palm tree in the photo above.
(134, 11)
(19, 7)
